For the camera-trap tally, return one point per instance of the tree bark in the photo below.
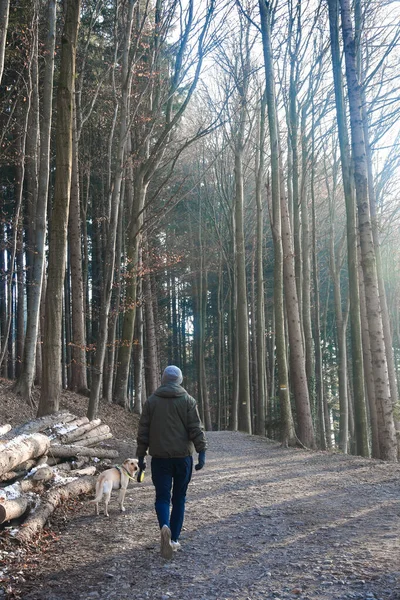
(37, 520)
(78, 341)
(133, 244)
(70, 451)
(92, 433)
(152, 363)
(12, 509)
(93, 440)
(288, 436)
(127, 73)
(51, 379)
(4, 12)
(40, 424)
(259, 330)
(4, 429)
(22, 448)
(387, 433)
(79, 432)
(352, 254)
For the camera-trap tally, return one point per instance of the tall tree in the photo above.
(4, 12)
(113, 216)
(387, 434)
(287, 425)
(27, 376)
(51, 380)
(351, 224)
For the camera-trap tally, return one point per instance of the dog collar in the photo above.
(122, 468)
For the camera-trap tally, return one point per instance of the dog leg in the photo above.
(121, 499)
(107, 497)
(97, 509)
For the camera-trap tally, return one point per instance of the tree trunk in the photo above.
(93, 440)
(259, 330)
(4, 429)
(51, 379)
(387, 433)
(78, 341)
(8, 306)
(4, 12)
(40, 424)
(335, 265)
(125, 347)
(20, 312)
(70, 451)
(37, 520)
(32, 151)
(22, 448)
(242, 313)
(97, 374)
(138, 355)
(368, 373)
(305, 305)
(319, 390)
(151, 364)
(79, 432)
(352, 255)
(288, 433)
(12, 509)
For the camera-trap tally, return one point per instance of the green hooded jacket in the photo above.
(170, 425)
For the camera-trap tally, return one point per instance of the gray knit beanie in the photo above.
(172, 374)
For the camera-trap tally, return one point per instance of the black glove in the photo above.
(201, 460)
(142, 466)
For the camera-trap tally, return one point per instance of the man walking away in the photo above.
(170, 428)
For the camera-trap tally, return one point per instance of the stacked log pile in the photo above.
(45, 462)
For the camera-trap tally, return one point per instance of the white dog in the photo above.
(116, 478)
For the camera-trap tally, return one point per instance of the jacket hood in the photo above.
(170, 390)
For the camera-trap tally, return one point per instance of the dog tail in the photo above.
(99, 491)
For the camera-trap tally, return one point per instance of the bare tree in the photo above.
(387, 434)
(26, 379)
(4, 12)
(288, 431)
(51, 380)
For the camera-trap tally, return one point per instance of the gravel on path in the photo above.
(262, 522)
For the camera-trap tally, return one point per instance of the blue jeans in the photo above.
(171, 474)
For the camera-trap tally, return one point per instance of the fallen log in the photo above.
(29, 485)
(10, 475)
(37, 519)
(78, 464)
(20, 487)
(27, 465)
(70, 451)
(4, 429)
(52, 460)
(93, 433)
(85, 471)
(44, 474)
(93, 441)
(62, 466)
(72, 425)
(79, 432)
(12, 509)
(21, 449)
(40, 424)
(48, 473)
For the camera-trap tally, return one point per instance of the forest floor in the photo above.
(262, 522)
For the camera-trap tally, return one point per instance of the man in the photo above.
(170, 428)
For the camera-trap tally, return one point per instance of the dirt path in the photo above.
(261, 523)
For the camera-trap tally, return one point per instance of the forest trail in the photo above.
(262, 522)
